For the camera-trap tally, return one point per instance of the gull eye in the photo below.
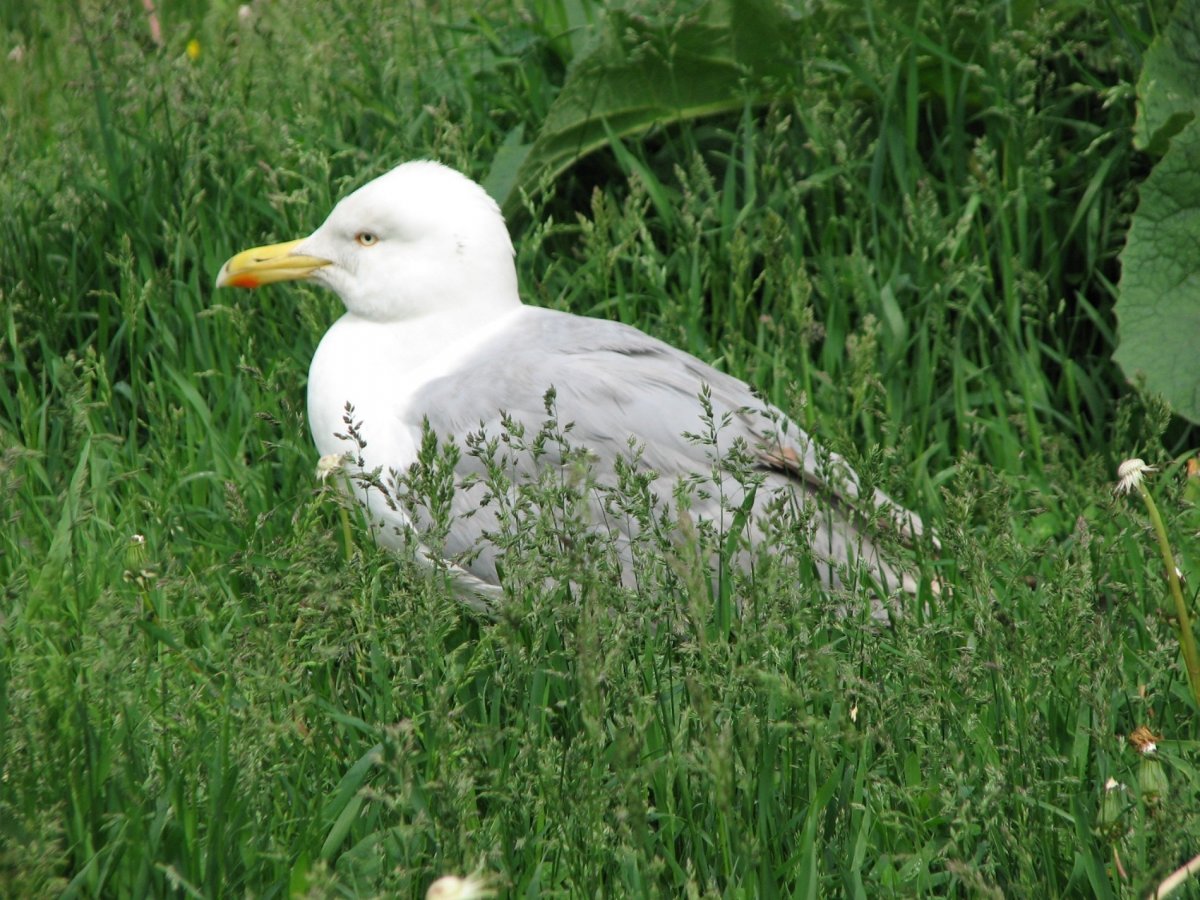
(366, 238)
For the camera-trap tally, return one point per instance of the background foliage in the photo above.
(908, 238)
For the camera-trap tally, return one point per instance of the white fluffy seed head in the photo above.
(451, 887)
(1130, 474)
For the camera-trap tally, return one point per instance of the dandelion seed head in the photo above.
(1130, 474)
(327, 465)
(451, 887)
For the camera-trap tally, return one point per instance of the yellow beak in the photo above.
(266, 265)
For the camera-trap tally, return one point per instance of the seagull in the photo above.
(436, 341)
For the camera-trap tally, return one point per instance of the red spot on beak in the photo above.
(245, 281)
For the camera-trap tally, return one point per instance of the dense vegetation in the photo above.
(207, 687)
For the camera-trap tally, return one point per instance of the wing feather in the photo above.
(611, 384)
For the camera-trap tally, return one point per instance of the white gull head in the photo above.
(420, 240)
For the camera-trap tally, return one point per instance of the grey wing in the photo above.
(620, 394)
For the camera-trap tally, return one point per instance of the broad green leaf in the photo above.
(506, 164)
(1158, 307)
(641, 73)
(1168, 86)
(1158, 310)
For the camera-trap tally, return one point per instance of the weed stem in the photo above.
(1187, 640)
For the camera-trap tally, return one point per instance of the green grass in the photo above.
(913, 250)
